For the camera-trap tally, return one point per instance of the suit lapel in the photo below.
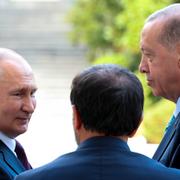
(10, 160)
(166, 139)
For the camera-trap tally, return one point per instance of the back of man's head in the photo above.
(109, 100)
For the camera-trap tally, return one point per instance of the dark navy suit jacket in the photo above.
(168, 152)
(10, 166)
(104, 158)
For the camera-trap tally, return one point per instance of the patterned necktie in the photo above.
(22, 156)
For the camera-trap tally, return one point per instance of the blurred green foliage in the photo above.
(156, 119)
(110, 29)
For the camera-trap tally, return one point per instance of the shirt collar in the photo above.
(9, 142)
(177, 110)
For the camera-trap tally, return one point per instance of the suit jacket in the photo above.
(168, 152)
(10, 165)
(105, 158)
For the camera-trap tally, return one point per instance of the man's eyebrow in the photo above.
(146, 49)
(25, 88)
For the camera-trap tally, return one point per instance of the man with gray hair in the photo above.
(17, 104)
(160, 47)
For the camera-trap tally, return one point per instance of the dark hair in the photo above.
(109, 99)
(170, 33)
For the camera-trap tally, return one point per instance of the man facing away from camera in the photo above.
(107, 103)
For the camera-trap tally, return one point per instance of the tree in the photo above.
(110, 29)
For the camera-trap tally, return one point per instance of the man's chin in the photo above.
(155, 93)
(21, 130)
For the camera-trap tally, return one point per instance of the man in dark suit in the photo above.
(17, 103)
(107, 103)
(160, 47)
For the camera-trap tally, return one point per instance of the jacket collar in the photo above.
(10, 160)
(104, 142)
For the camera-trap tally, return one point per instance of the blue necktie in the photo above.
(171, 122)
(161, 154)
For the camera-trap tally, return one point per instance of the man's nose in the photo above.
(143, 66)
(29, 104)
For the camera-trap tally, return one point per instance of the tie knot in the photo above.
(18, 149)
(171, 123)
(172, 119)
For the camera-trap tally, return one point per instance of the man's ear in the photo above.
(179, 63)
(134, 132)
(76, 118)
(178, 51)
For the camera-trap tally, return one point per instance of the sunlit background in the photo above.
(39, 31)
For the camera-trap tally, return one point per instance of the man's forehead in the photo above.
(18, 85)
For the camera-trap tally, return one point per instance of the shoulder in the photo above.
(45, 171)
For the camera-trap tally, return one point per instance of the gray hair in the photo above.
(9, 54)
(170, 33)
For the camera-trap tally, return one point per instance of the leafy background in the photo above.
(110, 31)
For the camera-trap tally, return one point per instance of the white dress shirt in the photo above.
(177, 110)
(9, 142)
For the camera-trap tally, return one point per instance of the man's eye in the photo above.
(148, 56)
(17, 94)
(33, 93)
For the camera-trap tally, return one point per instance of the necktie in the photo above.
(164, 149)
(171, 122)
(22, 155)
